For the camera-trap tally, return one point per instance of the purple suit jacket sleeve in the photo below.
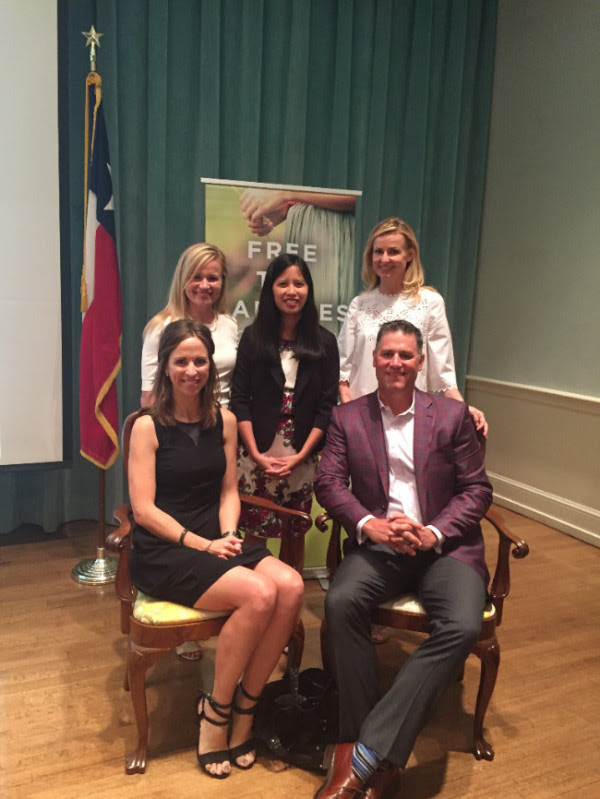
(454, 491)
(355, 454)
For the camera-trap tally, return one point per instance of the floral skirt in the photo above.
(294, 491)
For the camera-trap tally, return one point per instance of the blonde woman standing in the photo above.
(394, 276)
(197, 292)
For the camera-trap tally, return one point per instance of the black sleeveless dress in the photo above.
(190, 463)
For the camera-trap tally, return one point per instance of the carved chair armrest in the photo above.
(118, 538)
(295, 521)
(119, 542)
(294, 526)
(508, 543)
(334, 548)
(321, 522)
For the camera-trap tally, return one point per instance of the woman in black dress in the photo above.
(183, 490)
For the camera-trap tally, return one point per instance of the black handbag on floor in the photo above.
(297, 717)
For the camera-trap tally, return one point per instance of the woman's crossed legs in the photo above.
(265, 601)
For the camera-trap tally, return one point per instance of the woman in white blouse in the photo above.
(393, 272)
(197, 292)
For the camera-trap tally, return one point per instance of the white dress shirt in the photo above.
(399, 434)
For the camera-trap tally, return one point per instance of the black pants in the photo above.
(452, 593)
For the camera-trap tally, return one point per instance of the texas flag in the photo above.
(100, 355)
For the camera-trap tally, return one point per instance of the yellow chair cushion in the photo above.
(410, 604)
(156, 611)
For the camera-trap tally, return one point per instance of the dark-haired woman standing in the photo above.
(283, 389)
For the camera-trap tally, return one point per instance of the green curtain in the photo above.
(391, 97)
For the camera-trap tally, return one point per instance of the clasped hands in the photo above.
(401, 533)
(278, 468)
(227, 547)
(264, 209)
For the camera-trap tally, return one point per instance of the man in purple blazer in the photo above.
(403, 473)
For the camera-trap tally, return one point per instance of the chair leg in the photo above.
(489, 654)
(138, 663)
(296, 647)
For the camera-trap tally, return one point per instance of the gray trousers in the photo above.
(453, 595)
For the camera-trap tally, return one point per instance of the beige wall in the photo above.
(534, 363)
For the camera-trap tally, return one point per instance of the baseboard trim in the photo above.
(580, 521)
(315, 573)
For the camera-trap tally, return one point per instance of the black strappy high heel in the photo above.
(249, 745)
(222, 755)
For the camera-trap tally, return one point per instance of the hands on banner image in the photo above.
(254, 224)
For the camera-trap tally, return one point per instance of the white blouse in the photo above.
(225, 336)
(367, 312)
(289, 364)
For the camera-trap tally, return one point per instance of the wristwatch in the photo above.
(234, 533)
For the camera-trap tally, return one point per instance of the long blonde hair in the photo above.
(414, 277)
(191, 260)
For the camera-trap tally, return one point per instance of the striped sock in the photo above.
(364, 761)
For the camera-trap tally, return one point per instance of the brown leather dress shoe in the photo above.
(341, 782)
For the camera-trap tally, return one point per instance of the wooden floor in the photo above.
(66, 723)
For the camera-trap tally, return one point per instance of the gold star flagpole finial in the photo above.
(92, 41)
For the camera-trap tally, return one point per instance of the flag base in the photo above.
(95, 571)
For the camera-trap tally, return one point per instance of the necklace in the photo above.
(286, 344)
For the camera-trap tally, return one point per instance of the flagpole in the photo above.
(99, 570)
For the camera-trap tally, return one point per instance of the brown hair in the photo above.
(173, 334)
(403, 325)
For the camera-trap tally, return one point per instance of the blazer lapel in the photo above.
(424, 418)
(302, 379)
(277, 375)
(371, 413)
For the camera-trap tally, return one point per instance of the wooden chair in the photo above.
(406, 613)
(154, 627)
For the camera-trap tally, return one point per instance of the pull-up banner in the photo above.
(255, 222)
